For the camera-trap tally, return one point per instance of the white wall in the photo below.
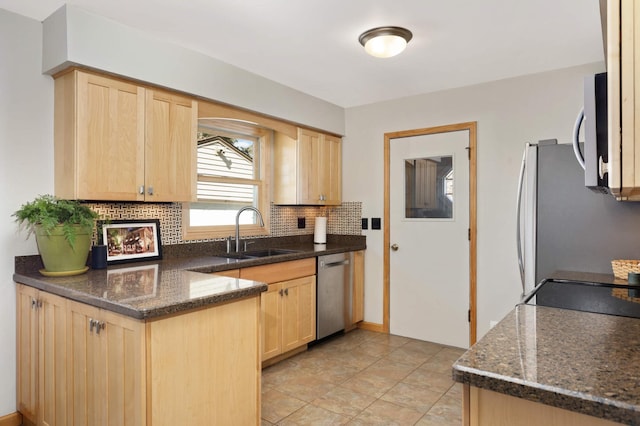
(509, 113)
(75, 36)
(26, 166)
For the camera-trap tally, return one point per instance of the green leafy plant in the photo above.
(47, 212)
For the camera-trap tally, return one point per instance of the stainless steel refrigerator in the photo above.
(565, 226)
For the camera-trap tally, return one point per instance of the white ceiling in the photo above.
(312, 45)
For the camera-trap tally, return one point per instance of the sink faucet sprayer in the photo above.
(238, 223)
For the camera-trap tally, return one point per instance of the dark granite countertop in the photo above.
(579, 361)
(182, 281)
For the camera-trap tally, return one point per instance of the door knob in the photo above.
(394, 247)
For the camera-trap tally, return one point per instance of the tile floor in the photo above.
(364, 378)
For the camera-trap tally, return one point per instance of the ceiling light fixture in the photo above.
(385, 42)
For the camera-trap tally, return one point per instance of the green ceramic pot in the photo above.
(56, 252)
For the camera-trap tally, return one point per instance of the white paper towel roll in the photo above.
(320, 231)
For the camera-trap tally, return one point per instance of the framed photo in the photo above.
(131, 240)
(132, 284)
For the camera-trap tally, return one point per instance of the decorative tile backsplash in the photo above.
(342, 220)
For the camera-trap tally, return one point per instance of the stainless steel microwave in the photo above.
(595, 133)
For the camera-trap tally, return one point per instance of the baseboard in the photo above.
(282, 357)
(371, 326)
(14, 419)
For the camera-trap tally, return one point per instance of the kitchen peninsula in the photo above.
(169, 342)
(543, 365)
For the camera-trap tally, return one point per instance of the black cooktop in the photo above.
(611, 299)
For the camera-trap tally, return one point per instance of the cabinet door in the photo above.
(170, 147)
(110, 139)
(52, 365)
(271, 312)
(298, 312)
(124, 388)
(106, 368)
(27, 351)
(331, 170)
(308, 167)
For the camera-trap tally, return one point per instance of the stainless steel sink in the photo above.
(254, 254)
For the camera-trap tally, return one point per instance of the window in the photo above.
(429, 188)
(232, 173)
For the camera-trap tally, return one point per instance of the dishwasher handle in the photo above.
(324, 264)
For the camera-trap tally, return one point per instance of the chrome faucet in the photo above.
(238, 223)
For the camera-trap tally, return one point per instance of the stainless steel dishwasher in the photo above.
(333, 293)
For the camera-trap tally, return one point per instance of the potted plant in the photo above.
(63, 231)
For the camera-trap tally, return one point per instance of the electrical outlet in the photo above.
(365, 223)
(375, 223)
(302, 223)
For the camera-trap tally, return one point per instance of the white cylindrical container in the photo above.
(320, 231)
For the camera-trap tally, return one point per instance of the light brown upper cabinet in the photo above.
(308, 169)
(116, 140)
(623, 94)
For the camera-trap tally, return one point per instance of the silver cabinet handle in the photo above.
(394, 247)
(150, 190)
(92, 323)
(99, 326)
(141, 190)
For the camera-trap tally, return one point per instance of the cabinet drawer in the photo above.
(283, 271)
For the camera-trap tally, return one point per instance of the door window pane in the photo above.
(429, 188)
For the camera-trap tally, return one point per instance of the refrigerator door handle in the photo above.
(576, 142)
(519, 213)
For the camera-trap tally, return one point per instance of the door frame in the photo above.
(471, 126)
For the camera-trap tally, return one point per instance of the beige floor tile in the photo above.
(409, 355)
(364, 378)
(316, 416)
(393, 369)
(306, 387)
(389, 339)
(344, 401)
(386, 413)
(277, 405)
(417, 397)
(443, 360)
(455, 391)
(446, 412)
(373, 349)
(368, 384)
(434, 380)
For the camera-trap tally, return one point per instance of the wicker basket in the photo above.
(621, 268)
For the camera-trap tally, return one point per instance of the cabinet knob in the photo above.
(281, 292)
(141, 190)
(92, 323)
(99, 326)
(150, 190)
(286, 291)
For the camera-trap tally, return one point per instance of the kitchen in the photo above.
(505, 111)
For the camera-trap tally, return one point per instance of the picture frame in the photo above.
(131, 240)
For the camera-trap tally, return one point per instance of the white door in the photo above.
(429, 222)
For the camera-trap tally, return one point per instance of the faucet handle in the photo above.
(229, 238)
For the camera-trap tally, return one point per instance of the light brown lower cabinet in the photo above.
(288, 307)
(483, 407)
(79, 365)
(41, 357)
